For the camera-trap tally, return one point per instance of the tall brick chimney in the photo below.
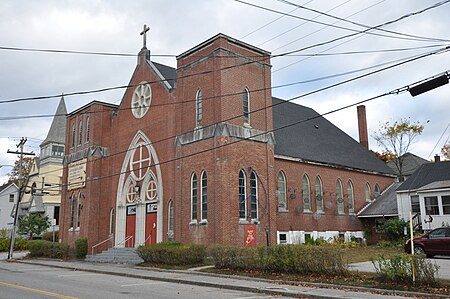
(437, 158)
(362, 126)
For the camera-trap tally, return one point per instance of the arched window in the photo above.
(112, 218)
(281, 192)
(79, 205)
(170, 219)
(253, 196)
(88, 128)
(242, 196)
(339, 197)
(73, 135)
(377, 191)
(72, 211)
(351, 197)
(80, 132)
(367, 192)
(199, 108)
(204, 206)
(306, 193)
(246, 105)
(194, 197)
(318, 188)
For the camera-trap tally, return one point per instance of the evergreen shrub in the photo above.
(172, 253)
(81, 248)
(42, 248)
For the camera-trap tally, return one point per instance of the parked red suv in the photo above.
(436, 242)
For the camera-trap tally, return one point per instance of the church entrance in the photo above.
(150, 224)
(130, 226)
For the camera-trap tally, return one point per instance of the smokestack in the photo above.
(437, 158)
(362, 126)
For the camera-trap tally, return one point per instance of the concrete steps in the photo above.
(116, 256)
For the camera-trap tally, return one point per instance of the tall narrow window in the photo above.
(72, 211)
(367, 192)
(415, 204)
(318, 188)
(111, 221)
(306, 193)
(170, 220)
(79, 205)
(246, 105)
(377, 191)
(351, 197)
(242, 196)
(88, 128)
(199, 108)
(204, 205)
(80, 132)
(253, 196)
(194, 197)
(73, 135)
(11, 197)
(281, 192)
(339, 197)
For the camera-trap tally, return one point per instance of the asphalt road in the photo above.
(34, 281)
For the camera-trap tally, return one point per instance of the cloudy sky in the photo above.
(276, 26)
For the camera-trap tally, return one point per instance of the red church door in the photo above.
(130, 230)
(150, 224)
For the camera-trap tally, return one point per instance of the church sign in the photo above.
(77, 174)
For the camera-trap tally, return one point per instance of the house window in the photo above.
(283, 238)
(79, 205)
(415, 205)
(377, 191)
(88, 128)
(11, 197)
(194, 197)
(199, 108)
(431, 205)
(446, 204)
(253, 196)
(242, 196)
(204, 205)
(170, 218)
(339, 197)
(351, 197)
(72, 211)
(80, 133)
(281, 192)
(73, 135)
(367, 192)
(319, 194)
(306, 193)
(246, 105)
(56, 215)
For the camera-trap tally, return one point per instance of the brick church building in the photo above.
(203, 153)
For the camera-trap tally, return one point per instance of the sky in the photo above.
(311, 63)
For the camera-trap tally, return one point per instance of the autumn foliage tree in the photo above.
(396, 140)
(446, 151)
(20, 172)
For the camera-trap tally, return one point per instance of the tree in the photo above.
(397, 138)
(15, 174)
(446, 151)
(33, 225)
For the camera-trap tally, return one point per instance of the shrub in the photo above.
(301, 259)
(19, 244)
(172, 253)
(42, 248)
(4, 245)
(48, 236)
(393, 229)
(399, 267)
(81, 248)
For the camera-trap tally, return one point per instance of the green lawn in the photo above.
(364, 254)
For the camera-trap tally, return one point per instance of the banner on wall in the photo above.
(250, 235)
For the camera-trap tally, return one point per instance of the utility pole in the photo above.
(16, 214)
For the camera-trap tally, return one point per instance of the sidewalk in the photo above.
(306, 290)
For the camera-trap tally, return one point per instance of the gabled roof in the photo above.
(426, 174)
(411, 163)
(313, 138)
(57, 132)
(384, 205)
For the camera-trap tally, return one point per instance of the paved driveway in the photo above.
(442, 261)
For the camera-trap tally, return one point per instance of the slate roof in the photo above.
(57, 132)
(426, 174)
(169, 73)
(384, 205)
(315, 139)
(411, 163)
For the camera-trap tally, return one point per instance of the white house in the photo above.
(9, 193)
(426, 193)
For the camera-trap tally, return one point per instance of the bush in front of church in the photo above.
(172, 253)
(42, 248)
(81, 248)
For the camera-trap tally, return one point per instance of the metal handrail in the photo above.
(128, 238)
(98, 244)
(145, 242)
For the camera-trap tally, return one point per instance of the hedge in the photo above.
(42, 248)
(19, 244)
(172, 253)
